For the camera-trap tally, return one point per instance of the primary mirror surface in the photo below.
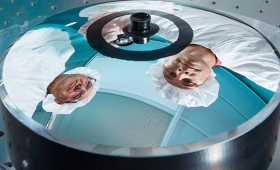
(128, 110)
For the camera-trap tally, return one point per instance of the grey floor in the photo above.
(19, 15)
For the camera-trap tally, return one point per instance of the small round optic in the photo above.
(140, 16)
(123, 40)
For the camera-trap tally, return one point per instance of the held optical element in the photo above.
(138, 31)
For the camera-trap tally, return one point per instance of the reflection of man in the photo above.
(70, 88)
(186, 78)
(190, 68)
(217, 41)
(32, 71)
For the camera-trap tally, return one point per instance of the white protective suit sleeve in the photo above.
(32, 63)
(114, 27)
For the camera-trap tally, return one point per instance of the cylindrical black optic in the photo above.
(140, 23)
(140, 28)
(141, 40)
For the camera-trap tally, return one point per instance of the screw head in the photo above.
(33, 3)
(6, 22)
(53, 7)
(18, 13)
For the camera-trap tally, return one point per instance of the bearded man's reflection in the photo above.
(33, 72)
(187, 78)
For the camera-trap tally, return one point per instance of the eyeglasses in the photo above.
(77, 96)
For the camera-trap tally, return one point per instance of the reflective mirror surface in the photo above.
(225, 77)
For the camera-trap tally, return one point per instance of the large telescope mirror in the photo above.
(128, 109)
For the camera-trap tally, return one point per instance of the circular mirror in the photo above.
(165, 92)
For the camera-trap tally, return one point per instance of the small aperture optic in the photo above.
(140, 28)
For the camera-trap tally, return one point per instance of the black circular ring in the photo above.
(97, 42)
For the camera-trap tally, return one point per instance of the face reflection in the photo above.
(186, 71)
(67, 86)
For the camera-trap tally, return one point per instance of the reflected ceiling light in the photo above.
(25, 163)
(215, 154)
(72, 23)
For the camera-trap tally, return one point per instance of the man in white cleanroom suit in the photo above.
(187, 78)
(217, 41)
(32, 73)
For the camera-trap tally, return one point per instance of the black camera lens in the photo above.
(140, 23)
(140, 28)
(140, 16)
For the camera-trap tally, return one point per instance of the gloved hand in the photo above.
(110, 30)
